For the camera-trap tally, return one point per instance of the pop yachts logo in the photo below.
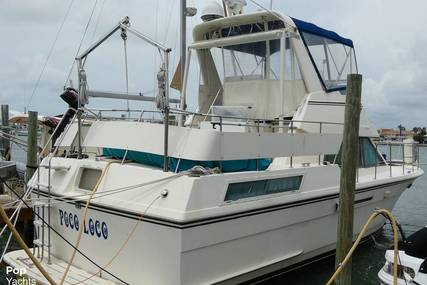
(21, 272)
(93, 227)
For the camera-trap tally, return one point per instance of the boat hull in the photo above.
(231, 250)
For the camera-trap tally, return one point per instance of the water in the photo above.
(411, 211)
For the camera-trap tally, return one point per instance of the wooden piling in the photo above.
(32, 162)
(5, 143)
(349, 158)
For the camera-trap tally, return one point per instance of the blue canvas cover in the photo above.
(186, 164)
(316, 30)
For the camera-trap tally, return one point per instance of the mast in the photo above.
(183, 24)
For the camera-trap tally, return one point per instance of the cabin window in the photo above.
(333, 60)
(330, 158)
(88, 178)
(249, 189)
(250, 61)
(255, 61)
(368, 155)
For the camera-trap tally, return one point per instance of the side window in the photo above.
(88, 178)
(369, 156)
(329, 158)
(250, 189)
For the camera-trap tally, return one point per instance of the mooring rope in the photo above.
(123, 244)
(85, 211)
(387, 214)
(22, 244)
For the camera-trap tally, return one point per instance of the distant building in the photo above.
(394, 134)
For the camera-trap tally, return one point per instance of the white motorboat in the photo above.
(246, 186)
(412, 267)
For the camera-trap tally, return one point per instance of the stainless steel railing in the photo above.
(396, 156)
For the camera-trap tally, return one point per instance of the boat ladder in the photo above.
(42, 209)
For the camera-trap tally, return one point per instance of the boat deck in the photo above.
(19, 259)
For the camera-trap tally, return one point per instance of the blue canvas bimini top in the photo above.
(316, 30)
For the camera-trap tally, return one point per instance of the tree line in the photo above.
(419, 133)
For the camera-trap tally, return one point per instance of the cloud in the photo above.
(388, 34)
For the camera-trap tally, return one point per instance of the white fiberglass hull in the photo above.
(228, 249)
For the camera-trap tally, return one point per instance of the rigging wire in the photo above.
(97, 20)
(59, 234)
(50, 53)
(10, 236)
(81, 42)
(78, 198)
(26, 194)
(269, 11)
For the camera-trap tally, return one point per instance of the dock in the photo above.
(25, 214)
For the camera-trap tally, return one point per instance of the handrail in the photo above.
(177, 111)
(252, 119)
(414, 158)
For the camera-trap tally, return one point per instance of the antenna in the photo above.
(235, 7)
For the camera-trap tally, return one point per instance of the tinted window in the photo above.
(249, 189)
(369, 156)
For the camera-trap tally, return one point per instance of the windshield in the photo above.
(249, 61)
(254, 61)
(333, 60)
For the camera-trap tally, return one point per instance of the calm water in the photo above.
(411, 210)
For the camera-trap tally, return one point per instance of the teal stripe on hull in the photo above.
(185, 164)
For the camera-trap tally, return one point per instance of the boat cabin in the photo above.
(262, 65)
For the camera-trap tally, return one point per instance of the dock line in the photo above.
(388, 215)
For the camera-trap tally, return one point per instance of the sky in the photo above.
(389, 38)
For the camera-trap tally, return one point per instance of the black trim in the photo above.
(323, 103)
(315, 66)
(216, 219)
(364, 200)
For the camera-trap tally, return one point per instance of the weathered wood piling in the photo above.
(350, 161)
(32, 162)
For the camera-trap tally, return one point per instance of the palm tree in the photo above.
(401, 128)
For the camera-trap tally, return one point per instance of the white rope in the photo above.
(78, 198)
(123, 244)
(50, 53)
